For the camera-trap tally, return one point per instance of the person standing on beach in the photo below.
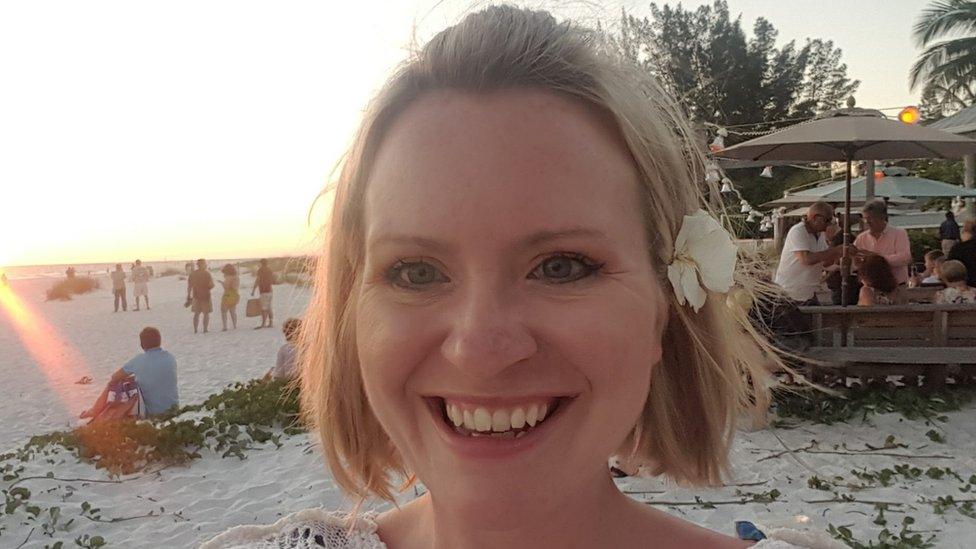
(118, 287)
(231, 296)
(198, 287)
(140, 283)
(262, 283)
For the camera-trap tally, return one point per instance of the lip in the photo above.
(488, 448)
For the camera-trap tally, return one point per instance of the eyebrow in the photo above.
(535, 239)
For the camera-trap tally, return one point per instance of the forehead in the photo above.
(501, 164)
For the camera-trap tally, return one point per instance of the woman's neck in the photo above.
(586, 516)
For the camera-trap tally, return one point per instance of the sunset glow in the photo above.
(53, 356)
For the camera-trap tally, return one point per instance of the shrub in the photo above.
(921, 242)
(65, 288)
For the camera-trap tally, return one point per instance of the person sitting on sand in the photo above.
(154, 373)
(285, 366)
(956, 290)
(231, 295)
(198, 287)
(521, 280)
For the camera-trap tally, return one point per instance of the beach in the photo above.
(46, 347)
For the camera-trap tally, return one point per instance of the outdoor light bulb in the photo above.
(712, 177)
(727, 186)
(746, 208)
(909, 115)
(767, 172)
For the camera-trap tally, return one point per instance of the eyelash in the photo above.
(588, 267)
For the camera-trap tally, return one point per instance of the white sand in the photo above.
(193, 503)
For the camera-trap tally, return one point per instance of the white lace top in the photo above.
(317, 528)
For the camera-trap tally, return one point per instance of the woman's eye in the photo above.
(564, 268)
(412, 274)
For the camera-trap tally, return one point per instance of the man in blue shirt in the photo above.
(154, 372)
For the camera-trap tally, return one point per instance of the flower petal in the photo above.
(674, 275)
(712, 250)
(692, 288)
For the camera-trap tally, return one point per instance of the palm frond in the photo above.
(943, 17)
(955, 55)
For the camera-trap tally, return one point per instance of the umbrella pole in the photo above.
(845, 267)
(845, 261)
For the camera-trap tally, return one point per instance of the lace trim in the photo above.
(311, 528)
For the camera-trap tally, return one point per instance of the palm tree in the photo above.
(949, 64)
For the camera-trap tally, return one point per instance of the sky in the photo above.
(207, 128)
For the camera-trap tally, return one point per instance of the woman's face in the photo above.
(509, 316)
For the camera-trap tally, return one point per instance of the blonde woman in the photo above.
(520, 282)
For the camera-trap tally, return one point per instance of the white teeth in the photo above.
(518, 418)
(500, 421)
(468, 421)
(482, 420)
(531, 415)
(457, 418)
(497, 423)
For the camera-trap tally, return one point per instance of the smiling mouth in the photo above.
(502, 422)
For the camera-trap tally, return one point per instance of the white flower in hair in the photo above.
(704, 257)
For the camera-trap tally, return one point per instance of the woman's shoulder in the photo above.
(311, 528)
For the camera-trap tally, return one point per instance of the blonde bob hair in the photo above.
(711, 358)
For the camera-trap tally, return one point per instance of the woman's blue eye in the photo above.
(411, 274)
(564, 268)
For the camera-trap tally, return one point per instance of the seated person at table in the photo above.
(285, 367)
(154, 372)
(930, 276)
(956, 291)
(879, 284)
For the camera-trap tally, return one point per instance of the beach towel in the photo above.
(253, 307)
(124, 400)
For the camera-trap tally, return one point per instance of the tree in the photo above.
(946, 69)
(718, 75)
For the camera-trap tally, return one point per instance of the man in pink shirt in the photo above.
(883, 239)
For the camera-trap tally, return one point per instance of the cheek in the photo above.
(391, 345)
(614, 342)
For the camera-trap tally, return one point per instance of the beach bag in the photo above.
(124, 401)
(253, 307)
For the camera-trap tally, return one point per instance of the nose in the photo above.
(489, 334)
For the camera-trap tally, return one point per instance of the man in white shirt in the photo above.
(805, 254)
(140, 281)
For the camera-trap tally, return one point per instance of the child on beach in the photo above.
(956, 290)
(521, 281)
(285, 366)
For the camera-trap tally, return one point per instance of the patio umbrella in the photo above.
(897, 187)
(847, 135)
